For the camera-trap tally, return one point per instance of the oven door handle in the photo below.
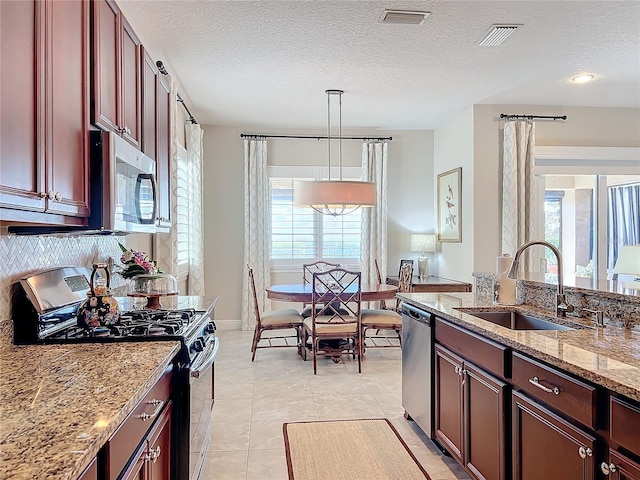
(209, 356)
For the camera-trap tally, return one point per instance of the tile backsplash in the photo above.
(21, 255)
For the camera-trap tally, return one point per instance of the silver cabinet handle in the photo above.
(146, 416)
(153, 455)
(43, 194)
(536, 381)
(608, 468)
(585, 452)
(58, 196)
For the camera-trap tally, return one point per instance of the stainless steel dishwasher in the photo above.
(417, 354)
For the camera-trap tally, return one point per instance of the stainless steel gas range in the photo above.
(44, 310)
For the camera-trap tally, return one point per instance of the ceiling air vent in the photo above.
(404, 17)
(497, 34)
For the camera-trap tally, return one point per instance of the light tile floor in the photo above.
(254, 399)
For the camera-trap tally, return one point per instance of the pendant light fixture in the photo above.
(334, 197)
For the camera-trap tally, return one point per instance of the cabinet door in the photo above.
(160, 447)
(22, 112)
(138, 468)
(448, 411)
(546, 446)
(163, 158)
(484, 423)
(621, 467)
(67, 83)
(106, 67)
(91, 472)
(130, 84)
(149, 104)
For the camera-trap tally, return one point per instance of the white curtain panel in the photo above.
(373, 237)
(519, 192)
(257, 227)
(194, 136)
(166, 244)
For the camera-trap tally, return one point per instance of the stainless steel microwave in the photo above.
(123, 196)
(123, 186)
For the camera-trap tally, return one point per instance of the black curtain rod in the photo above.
(163, 71)
(192, 119)
(313, 137)
(532, 117)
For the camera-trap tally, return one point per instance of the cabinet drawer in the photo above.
(483, 352)
(555, 388)
(123, 443)
(625, 424)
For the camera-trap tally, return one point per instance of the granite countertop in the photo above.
(607, 356)
(59, 404)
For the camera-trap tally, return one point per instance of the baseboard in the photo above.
(228, 324)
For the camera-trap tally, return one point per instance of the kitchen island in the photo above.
(608, 356)
(59, 404)
(542, 397)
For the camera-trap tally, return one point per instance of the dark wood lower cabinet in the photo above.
(448, 405)
(620, 467)
(137, 468)
(547, 446)
(91, 472)
(470, 415)
(152, 459)
(160, 447)
(485, 414)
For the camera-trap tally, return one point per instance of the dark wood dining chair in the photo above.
(308, 269)
(274, 320)
(334, 325)
(382, 319)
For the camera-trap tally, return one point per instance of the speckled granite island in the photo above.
(607, 356)
(536, 401)
(59, 404)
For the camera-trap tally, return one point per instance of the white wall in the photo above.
(410, 199)
(453, 147)
(606, 127)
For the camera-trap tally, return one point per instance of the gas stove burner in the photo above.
(156, 330)
(100, 332)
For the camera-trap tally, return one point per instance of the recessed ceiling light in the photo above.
(583, 78)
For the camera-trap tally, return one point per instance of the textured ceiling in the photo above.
(267, 63)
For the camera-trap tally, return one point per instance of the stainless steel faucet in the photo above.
(562, 307)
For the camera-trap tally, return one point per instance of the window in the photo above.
(184, 214)
(299, 233)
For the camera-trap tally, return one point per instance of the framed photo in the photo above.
(402, 262)
(449, 206)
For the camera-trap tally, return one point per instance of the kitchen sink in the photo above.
(518, 321)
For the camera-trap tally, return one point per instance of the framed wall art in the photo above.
(449, 206)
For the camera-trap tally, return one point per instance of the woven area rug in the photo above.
(349, 450)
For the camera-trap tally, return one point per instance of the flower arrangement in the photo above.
(136, 263)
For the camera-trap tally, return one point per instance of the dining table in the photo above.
(302, 293)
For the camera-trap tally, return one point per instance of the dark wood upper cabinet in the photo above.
(116, 94)
(44, 151)
(149, 104)
(21, 75)
(67, 80)
(156, 135)
(163, 149)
